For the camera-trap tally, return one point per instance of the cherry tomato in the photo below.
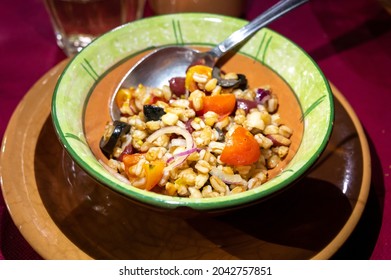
(153, 173)
(241, 148)
(130, 160)
(123, 95)
(128, 150)
(155, 99)
(190, 84)
(221, 104)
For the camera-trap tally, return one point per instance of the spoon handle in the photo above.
(262, 20)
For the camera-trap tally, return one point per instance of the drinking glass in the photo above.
(77, 22)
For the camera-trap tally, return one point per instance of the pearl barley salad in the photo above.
(206, 134)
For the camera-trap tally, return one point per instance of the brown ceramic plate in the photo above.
(63, 214)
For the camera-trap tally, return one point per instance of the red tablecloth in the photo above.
(350, 40)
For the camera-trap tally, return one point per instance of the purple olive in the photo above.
(177, 86)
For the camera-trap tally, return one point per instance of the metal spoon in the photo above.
(158, 67)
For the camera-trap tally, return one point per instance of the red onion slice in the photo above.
(176, 142)
(172, 129)
(262, 95)
(245, 104)
(181, 154)
(231, 179)
(180, 157)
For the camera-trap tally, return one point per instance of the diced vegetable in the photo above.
(128, 150)
(153, 173)
(123, 95)
(262, 95)
(221, 104)
(155, 99)
(245, 104)
(190, 83)
(131, 159)
(241, 148)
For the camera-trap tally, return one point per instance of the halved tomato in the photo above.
(190, 84)
(221, 104)
(123, 95)
(241, 148)
(153, 171)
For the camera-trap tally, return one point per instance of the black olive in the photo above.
(119, 129)
(221, 137)
(241, 82)
(153, 113)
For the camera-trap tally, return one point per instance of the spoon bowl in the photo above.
(174, 60)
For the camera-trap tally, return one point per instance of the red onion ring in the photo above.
(231, 179)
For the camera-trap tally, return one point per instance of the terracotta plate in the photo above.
(64, 214)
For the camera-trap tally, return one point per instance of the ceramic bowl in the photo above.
(82, 96)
